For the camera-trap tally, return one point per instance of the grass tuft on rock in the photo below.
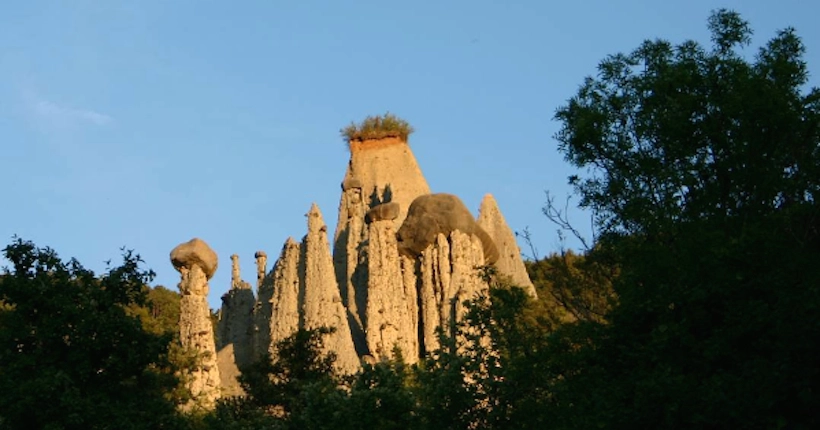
(377, 127)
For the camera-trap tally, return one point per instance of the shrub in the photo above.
(377, 127)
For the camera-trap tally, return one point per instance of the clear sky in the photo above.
(145, 123)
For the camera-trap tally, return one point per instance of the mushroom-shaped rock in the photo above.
(433, 214)
(195, 252)
(382, 212)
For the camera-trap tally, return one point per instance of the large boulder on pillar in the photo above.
(196, 263)
(434, 214)
(195, 252)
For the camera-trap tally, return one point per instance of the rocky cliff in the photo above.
(404, 261)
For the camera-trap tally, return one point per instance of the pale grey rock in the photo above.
(195, 329)
(322, 306)
(392, 312)
(448, 275)
(509, 262)
(285, 313)
(195, 252)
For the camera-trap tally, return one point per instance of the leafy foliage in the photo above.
(677, 133)
(703, 171)
(574, 287)
(72, 356)
(378, 127)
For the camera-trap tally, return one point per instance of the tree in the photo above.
(574, 287)
(702, 170)
(72, 356)
(295, 389)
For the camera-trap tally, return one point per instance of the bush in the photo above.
(378, 127)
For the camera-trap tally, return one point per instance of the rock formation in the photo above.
(391, 314)
(434, 214)
(196, 263)
(403, 263)
(322, 301)
(261, 267)
(448, 275)
(235, 329)
(509, 260)
(379, 171)
(285, 310)
(304, 295)
(384, 170)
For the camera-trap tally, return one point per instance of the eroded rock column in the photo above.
(261, 267)
(284, 319)
(391, 315)
(235, 330)
(196, 263)
(322, 304)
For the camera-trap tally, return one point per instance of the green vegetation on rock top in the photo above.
(378, 127)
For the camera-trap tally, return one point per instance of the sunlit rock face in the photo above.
(509, 260)
(196, 263)
(403, 262)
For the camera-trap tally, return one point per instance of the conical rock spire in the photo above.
(509, 261)
(322, 302)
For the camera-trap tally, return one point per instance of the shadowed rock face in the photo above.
(434, 214)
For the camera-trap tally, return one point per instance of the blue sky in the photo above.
(146, 123)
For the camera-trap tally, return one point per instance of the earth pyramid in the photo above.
(403, 261)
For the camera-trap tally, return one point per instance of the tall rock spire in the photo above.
(235, 330)
(385, 170)
(284, 303)
(381, 169)
(322, 304)
(391, 314)
(509, 262)
(196, 263)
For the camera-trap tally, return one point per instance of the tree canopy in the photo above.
(702, 170)
(72, 356)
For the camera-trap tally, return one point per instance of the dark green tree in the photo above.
(71, 355)
(701, 167)
(492, 372)
(297, 389)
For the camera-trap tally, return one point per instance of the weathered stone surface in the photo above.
(379, 171)
(195, 329)
(322, 302)
(285, 312)
(509, 262)
(349, 261)
(434, 214)
(447, 276)
(391, 316)
(261, 267)
(386, 171)
(228, 372)
(195, 252)
(350, 183)
(235, 325)
(383, 212)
